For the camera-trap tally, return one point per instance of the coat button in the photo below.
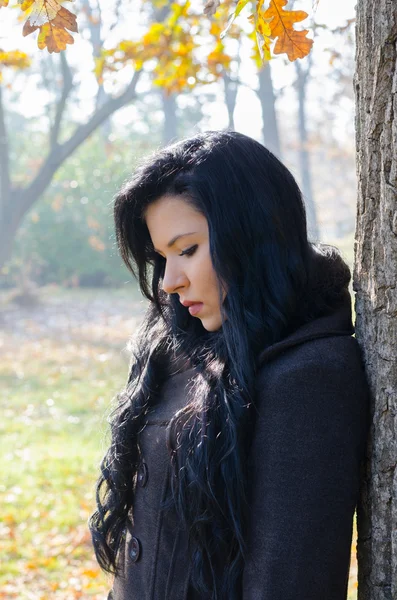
(142, 474)
(135, 549)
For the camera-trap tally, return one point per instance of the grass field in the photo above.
(61, 364)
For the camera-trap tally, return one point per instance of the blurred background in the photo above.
(73, 126)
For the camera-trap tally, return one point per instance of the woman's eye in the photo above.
(189, 251)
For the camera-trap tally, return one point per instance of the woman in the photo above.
(233, 470)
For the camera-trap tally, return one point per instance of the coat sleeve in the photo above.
(304, 473)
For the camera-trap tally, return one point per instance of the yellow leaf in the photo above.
(15, 58)
(3, 3)
(90, 573)
(43, 10)
(26, 4)
(237, 11)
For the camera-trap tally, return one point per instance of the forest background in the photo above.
(68, 306)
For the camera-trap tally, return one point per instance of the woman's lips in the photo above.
(195, 308)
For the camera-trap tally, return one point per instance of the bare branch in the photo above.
(61, 152)
(117, 15)
(60, 108)
(95, 27)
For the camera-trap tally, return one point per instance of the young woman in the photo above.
(234, 465)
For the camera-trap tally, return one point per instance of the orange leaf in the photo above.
(65, 19)
(53, 34)
(53, 38)
(294, 43)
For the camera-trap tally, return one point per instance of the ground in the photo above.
(63, 361)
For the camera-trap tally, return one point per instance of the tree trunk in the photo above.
(230, 87)
(304, 160)
(374, 280)
(270, 133)
(170, 125)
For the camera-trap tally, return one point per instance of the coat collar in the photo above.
(336, 323)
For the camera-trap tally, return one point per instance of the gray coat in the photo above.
(304, 472)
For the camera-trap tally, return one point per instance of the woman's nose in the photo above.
(173, 279)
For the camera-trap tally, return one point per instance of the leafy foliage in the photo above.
(173, 48)
(276, 23)
(165, 41)
(16, 59)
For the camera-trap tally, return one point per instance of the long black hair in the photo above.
(259, 248)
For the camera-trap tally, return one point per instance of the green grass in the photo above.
(53, 434)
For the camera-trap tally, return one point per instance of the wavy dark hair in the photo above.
(259, 248)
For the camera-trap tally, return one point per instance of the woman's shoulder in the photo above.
(333, 330)
(322, 350)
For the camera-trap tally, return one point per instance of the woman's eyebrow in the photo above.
(175, 238)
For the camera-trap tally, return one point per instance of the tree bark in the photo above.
(374, 280)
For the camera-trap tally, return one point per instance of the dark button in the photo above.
(135, 549)
(143, 474)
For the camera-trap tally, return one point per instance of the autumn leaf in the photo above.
(53, 34)
(239, 7)
(16, 59)
(263, 32)
(3, 3)
(294, 43)
(43, 10)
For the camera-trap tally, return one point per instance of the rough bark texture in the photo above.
(374, 280)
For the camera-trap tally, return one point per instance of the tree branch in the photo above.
(60, 108)
(4, 162)
(117, 15)
(61, 152)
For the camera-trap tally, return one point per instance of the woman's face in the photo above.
(188, 271)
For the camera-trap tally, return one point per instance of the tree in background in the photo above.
(170, 96)
(169, 43)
